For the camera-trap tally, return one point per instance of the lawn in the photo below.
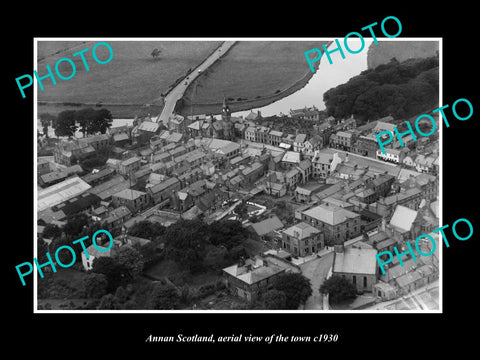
(131, 77)
(254, 71)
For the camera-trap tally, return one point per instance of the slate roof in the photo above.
(356, 261)
(330, 214)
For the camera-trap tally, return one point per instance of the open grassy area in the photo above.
(254, 74)
(132, 77)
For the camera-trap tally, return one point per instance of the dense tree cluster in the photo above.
(338, 288)
(121, 268)
(288, 292)
(90, 121)
(147, 230)
(397, 89)
(196, 245)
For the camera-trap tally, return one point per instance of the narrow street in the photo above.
(316, 270)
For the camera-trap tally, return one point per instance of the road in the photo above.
(178, 91)
(316, 270)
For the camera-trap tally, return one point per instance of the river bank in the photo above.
(221, 82)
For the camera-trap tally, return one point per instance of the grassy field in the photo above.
(254, 74)
(131, 79)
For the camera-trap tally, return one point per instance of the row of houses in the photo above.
(355, 262)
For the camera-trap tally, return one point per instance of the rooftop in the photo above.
(129, 161)
(291, 156)
(149, 126)
(355, 260)
(117, 214)
(129, 194)
(60, 192)
(301, 231)
(300, 138)
(403, 218)
(330, 214)
(259, 268)
(267, 225)
(164, 185)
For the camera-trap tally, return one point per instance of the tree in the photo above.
(64, 124)
(155, 53)
(275, 300)
(216, 258)
(65, 256)
(185, 242)
(130, 259)
(115, 273)
(102, 121)
(296, 288)
(237, 252)
(229, 233)
(94, 161)
(93, 121)
(51, 231)
(241, 210)
(397, 89)
(338, 288)
(109, 302)
(147, 229)
(42, 249)
(95, 285)
(46, 120)
(148, 252)
(84, 118)
(75, 224)
(163, 297)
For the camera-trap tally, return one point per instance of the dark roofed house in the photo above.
(145, 131)
(134, 200)
(129, 166)
(77, 204)
(304, 193)
(117, 216)
(164, 190)
(314, 143)
(254, 116)
(265, 228)
(55, 177)
(98, 142)
(252, 277)
(121, 139)
(69, 152)
(51, 178)
(98, 177)
(43, 166)
(106, 189)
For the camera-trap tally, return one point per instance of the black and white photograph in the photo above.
(228, 176)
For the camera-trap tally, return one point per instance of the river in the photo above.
(327, 76)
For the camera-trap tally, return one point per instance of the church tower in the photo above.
(227, 123)
(225, 109)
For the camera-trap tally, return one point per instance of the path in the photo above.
(178, 91)
(316, 270)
